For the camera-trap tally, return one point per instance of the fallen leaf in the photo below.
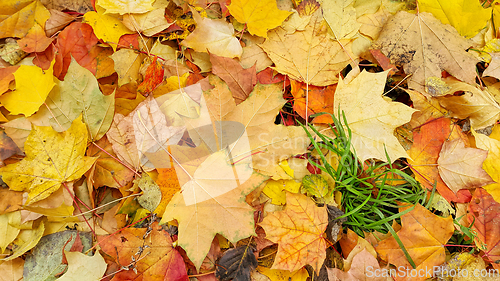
(159, 261)
(80, 265)
(18, 130)
(425, 47)
(240, 81)
(468, 17)
(372, 130)
(490, 164)
(478, 105)
(149, 23)
(259, 16)
(106, 27)
(122, 138)
(313, 99)
(19, 16)
(424, 153)
(214, 36)
(6, 77)
(49, 161)
(80, 6)
(298, 230)
(308, 56)
(12, 270)
(9, 225)
(78, 41)
(227, 214)
(79, 94)
(484, 213)
(236, 264)
(276, 190)
(169, 185)
(462, 167)
(127, 64)
(126, 6)
(428, 109)
(341, 18)
(57, 21)
(35, 40)
(32, 88)
(153, 77)
(25, 241)
(493, 70)
(364, 267)
(284, 275)
(423, 234)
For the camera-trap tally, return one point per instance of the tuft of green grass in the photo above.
(371, 193)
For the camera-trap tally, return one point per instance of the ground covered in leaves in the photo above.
(249, 140)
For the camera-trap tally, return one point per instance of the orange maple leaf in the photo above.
(298, 230)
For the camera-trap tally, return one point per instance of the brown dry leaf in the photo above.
(309, 56)
(35, 40)
(423, 234)
(12, 270)
(462, 167)
(149, 23)
(57, 21)
(477, 105)
(424, 47)
(240, 81)
(121, 136)
(298, 230)
(493, 70)
(80, 6)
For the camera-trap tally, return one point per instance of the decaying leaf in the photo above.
(425, 47)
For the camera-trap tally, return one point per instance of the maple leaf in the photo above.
(468, 17)
(462, 167)
(484, 212)
(159, 261)
(127, 64)
(341, 18)
(153, 77)
(32, 88)
(214, 36)
(51, 159)
(298, 230)
(259, 16)
(423, 234)
(226, 214)
(417, 42)
(236, 264)
(424, 155)
(372, 130)
(309, 56)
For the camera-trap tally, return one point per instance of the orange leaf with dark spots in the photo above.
(298, 230)
(154, 76)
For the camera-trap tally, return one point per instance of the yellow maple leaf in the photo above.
(492, 162)
(126, 6)
(51, 159)
(149, 23)
(259, 16)
(372, 130)
(309, 56)
(468, 17)
(106, 27)
(32, 88)
(80, 265)
(341, 17)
